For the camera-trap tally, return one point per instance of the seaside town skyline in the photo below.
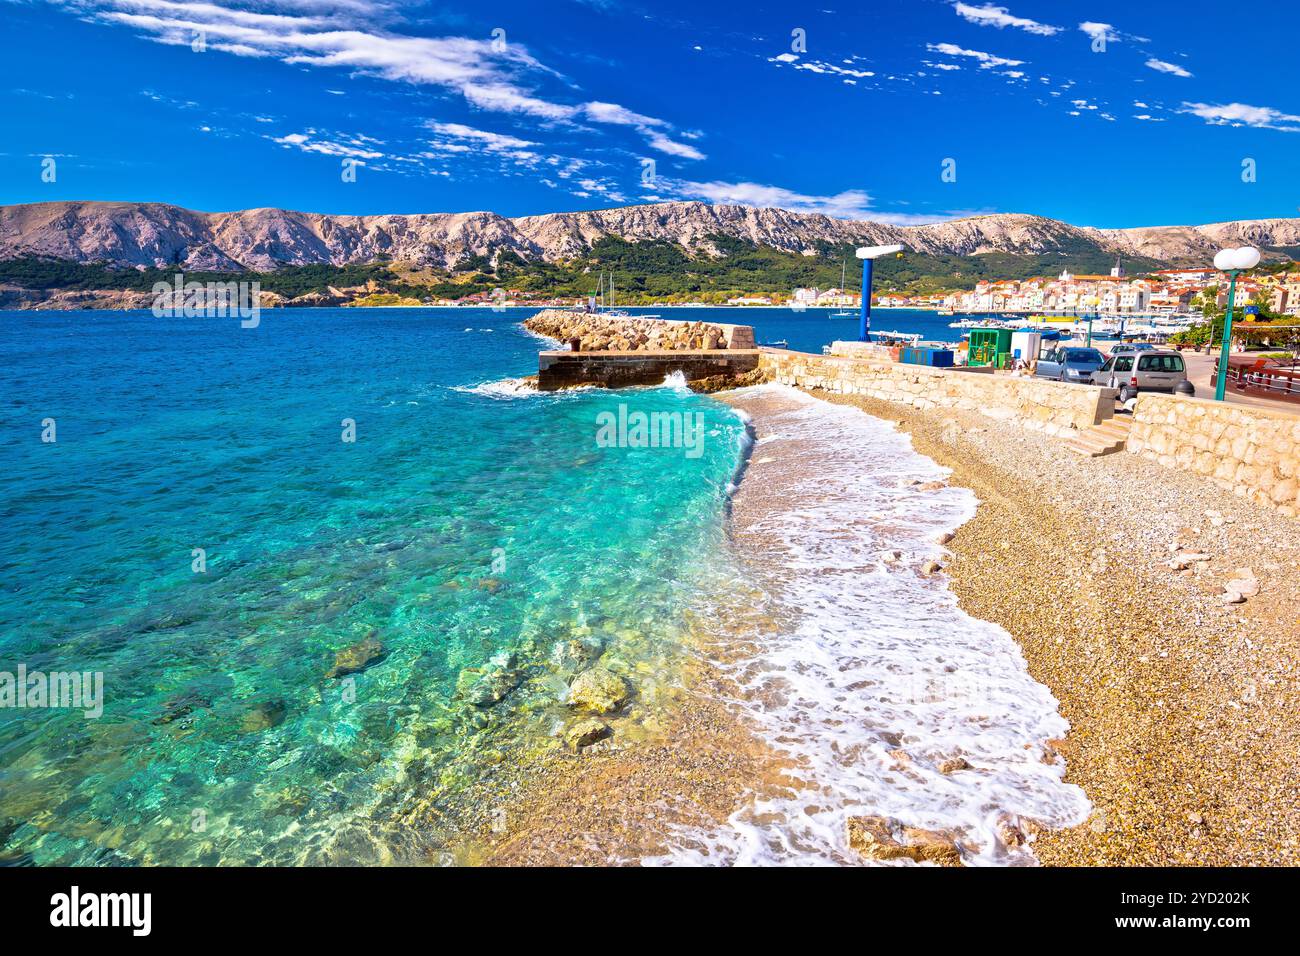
(1094, 112)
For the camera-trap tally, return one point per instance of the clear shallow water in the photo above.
(193, 433)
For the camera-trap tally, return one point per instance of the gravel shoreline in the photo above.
(1180, 706)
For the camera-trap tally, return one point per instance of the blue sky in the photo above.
(1097, 112)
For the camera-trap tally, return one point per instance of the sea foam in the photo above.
(506, 388)
(873, 675)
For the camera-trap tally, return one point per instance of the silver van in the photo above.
(1148, 370)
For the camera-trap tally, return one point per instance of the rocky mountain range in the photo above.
(127, 234)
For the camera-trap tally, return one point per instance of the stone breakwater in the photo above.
(599, 333)
(1035, 404)
(1252, 452)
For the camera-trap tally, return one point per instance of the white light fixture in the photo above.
(1227, 260)
(875, 252)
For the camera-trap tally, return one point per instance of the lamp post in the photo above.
(867, 254)
(1231, 261)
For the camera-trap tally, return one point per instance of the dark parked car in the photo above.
(1070, 363)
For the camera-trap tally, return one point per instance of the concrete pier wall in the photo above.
(558, 369)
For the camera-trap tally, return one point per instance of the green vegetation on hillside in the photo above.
(660, 271)
(291, 281)
(643, 272)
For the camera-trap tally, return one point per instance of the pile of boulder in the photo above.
(598, 333)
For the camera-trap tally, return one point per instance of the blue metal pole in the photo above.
(864, 321)
(1221, 384)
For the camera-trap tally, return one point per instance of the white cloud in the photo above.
(850, 204)
(672, 147)
(1240, 114)
(1147, 118)
(311, 142)
(1163, 67)
(1099, 31)
(488, 140)
(651, 128)
(994, 16)
(822, 67)
(342, 34)
(986, 60)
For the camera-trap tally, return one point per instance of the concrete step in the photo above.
(1093, 448)
(1104, 439)
(1119, 427)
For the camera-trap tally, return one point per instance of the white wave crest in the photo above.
(676, 381)
(506, 388)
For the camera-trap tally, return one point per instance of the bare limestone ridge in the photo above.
(158, 234)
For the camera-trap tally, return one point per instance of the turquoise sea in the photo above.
(317, 650)
(468, 529)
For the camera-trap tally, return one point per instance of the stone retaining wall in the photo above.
(1253, 452)
(1038, 404)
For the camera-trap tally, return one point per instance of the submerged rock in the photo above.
(585, 733)
(598, 691)
(883, 838)
(181, 706)
(488, 686)
(354, 659)
(570, 656)
(263, 715)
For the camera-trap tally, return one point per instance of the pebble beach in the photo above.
(1181, 706)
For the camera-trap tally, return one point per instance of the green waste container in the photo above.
(986, 345)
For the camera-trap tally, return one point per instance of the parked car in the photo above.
(1146, 370)
(1133, 347)
(1070, 363)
